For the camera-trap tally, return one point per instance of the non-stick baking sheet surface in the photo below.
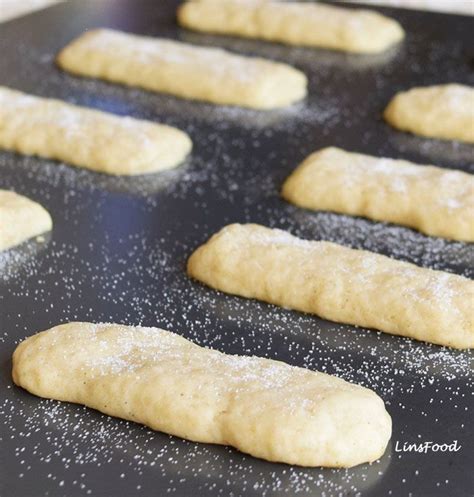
(118, 249)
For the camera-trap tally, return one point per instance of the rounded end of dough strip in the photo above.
(168, 158)
(347, 428)
(62, 58)
(203, 261)
(393, 36)
(289, 190)
(182, 15)
(24, 219)
(389, 113)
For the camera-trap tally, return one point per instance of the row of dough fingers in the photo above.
(332, 281)
(221, 77)
(207, 396)
(262, 407)
(436, 201)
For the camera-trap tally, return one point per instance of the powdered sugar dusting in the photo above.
(111, 350)
(22, 111)
(154, 51)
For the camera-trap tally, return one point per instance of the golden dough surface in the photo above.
(87, 138)
(187, 71)
(265, 408)
(433, 200)
(441, 111)
(338, 283)
(20, 219)
(294, 23)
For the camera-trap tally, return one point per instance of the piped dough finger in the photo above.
(87, 138)
(265, 408)
(21, 219)
(338, 283)
(433, 200)
(187, 71)
(442, 111)
(294, 23)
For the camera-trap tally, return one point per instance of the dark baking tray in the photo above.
(119, 246)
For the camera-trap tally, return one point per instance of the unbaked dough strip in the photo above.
(87, 138)
(433, 200)
(443, 111)
(338, 283)
(265, 408)
(327, 26)
(21, 219)
(188, 71)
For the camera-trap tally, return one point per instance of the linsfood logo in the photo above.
(425, 447)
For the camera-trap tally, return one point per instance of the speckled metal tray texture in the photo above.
(119, 247)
